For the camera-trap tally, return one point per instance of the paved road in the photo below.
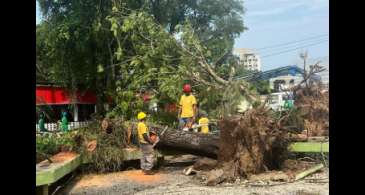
(170, 180)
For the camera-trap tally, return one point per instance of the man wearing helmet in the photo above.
(146, 144)
(187, 109)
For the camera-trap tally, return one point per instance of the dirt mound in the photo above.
(249, 144)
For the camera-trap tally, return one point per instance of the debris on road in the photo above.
(308, 172)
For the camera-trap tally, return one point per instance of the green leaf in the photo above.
(115, 9)
(135, 62)
(209, 53)
(119, 53)
(100, 68)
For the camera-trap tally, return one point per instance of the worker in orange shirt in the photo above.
(187, 108)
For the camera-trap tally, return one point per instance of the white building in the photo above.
(281, 79)
(288, 77)
(284, 82)
(248, 58)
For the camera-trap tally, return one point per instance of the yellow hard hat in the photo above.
(141, 115)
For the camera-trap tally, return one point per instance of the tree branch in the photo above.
(221, 57)
(211, 72)
(198, 79)
(314, 69)
(203, 63)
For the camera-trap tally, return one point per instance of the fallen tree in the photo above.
(249, 144)
(194, 143)
(313, 106)
(259, 124)
(312, 102)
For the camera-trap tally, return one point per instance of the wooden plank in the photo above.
(48, 174)
(309, 147)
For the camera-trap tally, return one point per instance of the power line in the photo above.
(289, 50)
(293, 49)
(287, 43)
(291, 46)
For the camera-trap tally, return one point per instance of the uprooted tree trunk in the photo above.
(194, 143)
(190, 142)
(312, 103)
(254, 132)
(249, 144)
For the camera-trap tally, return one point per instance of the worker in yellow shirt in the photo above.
(187, 108)
(146, 144)
(204, 123)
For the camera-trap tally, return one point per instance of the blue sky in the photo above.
(38, 13)
(274, 22)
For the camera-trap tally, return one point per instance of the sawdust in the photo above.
(181, 184)
(107, 180)
(139, 177)
(93, 181)
(58, 158)
(63, 156)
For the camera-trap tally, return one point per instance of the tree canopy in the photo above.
(118, 47)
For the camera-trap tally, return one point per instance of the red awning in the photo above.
(57, 95)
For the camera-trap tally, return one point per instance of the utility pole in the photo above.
(304, 56)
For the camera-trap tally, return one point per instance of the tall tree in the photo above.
(117, 47)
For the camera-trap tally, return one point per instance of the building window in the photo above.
(291, 82)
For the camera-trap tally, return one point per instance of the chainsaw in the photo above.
(158, 138)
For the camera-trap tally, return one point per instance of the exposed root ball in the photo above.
(251, 144)
(313, 106)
